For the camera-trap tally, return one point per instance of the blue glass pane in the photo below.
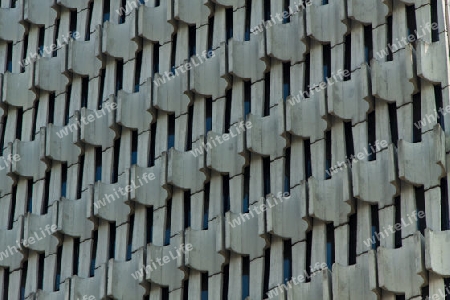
(245, 204)
(30, 204)
(167, 237)
(64, 189)
(245, 286)
(285, 91)
(247, 35)
(327, 168)
(205, 220)
(134, 157)
(129, 252)
(374, 230)
(10, 66)
(246, 107)
(286, 184)
(171, 141)
(92, 268)
(136, 88)
(204, 295)
(57, 280)
(98, 173)
(325, 72)
(105, 17)
(208, 124)
(329, 255)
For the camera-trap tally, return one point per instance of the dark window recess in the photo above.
(326, 62)
(266, 94)
(187, 209)
(67, 105)
(446, 286)
(33, 125)
(286, 80)
(76, 255)
(287, 171)
(2, 134)
(137, 71)
(348, 56)
(426, 292)
(411, 23)
(151, 155)
(353, 221)
(168, 222)
(371, 128)
(392, 107)
(229, 23)
(368, 43)
(19, 123)
(9, 57)
(208, 123)
(93, 253)
(401, 297)
(309, 237)
(165, 293)
(398, 219)
(84, 91)
(286, 8)
(287, 261)
(73, 21)
(434, 20)
(186, 289)
(439, 106)
(130, 238)
(307, 76)
(228, 111)
(375, 227)
(13, 208)
(204, 286)
(155, 59)
(206, 207)
(171, 132)
(248, 9)
(266, 271)
(23, 280)
(115, 166)
(210, 33)
(119, 75)
(420, 204)
(51, 107)
(266, 10)
(324, 2)
(246, 200)
(63, 180)
(445, 222)
(173, 51)
(390, 55)
(58, 268)
(245, 277)
(157, 3)
(190, 126)
(226, 279)
(98, 163)
(89, 21)
(149, 224)
(247, 98)
(417, 115)
(349, 149)
(106, 10)
(308, 168)
(112, 240)
(40, 280)
(41, 40)
(30, 195)
(123, 15)
(328, 154)
(46, 199)
(80, 176)
(6, 283)
(330, 245)
(266, 175)
(134, 147)
(226, 193)
(192, 40)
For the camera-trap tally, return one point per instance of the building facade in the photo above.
(224, 149)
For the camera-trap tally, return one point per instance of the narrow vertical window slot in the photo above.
(352, 239)
(375, 227)
(226, 279)
(76, 255)
(206, 207)
(30, 195)
(330, 245)
(204, 286)
(286, 80)
(40, 279)
(168, 222)
(368, 43)
(116, 158)
(189, 128)
(248, 11)
(229, 23)
(130, 238)
(348, 56)
(19, 123)
(398, 220)
(171, 132)
(210, 33)
(444, 205)
(67, 105)
(266, 175)
(306, 85)
(246, 200)
(228, 111)
(119, 75)
(9, 57)
(439, 105)
(247, 98)
(106, 10)
(149, 224)
(266, 94)
(58, 268)
(434, 20)
(390, 55)
(112, 240)
(51, 107)
(98, 163)
(287, 171)
(226, 193)
(308, 166)
(266, 271)
(134, 147)
(13, 208)
(417, 115)
(420, 204)
(208, 107)
(80, 176)
(287, 260)
(137, 71)
(371, 128)
(187, 209)
(93, 253)
(245, 277)
(411, 23)
(328, 154)
(392, 108)
(152, 155)
(84, 91)
(326, 62)
(309, 237)
(5, 283)
(192, 40)
(89, 21)
(63, 180)
(23, 280)
(266, 10)
(155, 59)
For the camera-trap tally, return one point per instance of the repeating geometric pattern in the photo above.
(224, 149)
